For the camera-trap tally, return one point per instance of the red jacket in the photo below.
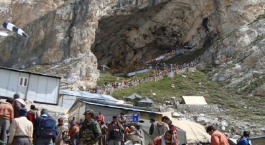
(99, 118)
(218, 138)
(32, 115)
(157, 141)
(172, 127)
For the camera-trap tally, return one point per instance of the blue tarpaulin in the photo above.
(87, 95)
(177, 52)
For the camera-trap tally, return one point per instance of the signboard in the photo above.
(132, 119)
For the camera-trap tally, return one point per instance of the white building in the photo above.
(40, 88)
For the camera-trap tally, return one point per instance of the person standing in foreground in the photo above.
(90, 131)
(21, 130)
(123, 119)
(166, 139)
(32, 114)
(151, 130)
(18, 103)
(62, 132)
(74, 132)
(45, 128)
(244, 140)
(161, 127)
(6, 118)
(217, 138)
(115, 130)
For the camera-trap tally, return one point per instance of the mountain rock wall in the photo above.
(118, 32)
(142, 33)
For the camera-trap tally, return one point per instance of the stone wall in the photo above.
(198, 108)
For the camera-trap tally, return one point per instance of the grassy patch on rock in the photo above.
(197, 84)
(181, 58)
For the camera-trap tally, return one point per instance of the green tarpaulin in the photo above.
(145, 102)
(133, 97)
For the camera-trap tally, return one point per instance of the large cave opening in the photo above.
(142, 34)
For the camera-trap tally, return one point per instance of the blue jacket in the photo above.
(243, 141)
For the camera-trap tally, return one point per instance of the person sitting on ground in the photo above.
(161, 127)
(166, 139)
(217, 138)
(244, 140)
(21, 130)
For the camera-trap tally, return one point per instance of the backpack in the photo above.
(47, 128)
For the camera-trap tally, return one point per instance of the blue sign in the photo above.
(132, 119)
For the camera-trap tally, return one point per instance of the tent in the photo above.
(133, 97)
(193, 100)
(146, 125)
(195, 133)
(145, 102)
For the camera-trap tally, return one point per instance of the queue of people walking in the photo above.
(22, 127)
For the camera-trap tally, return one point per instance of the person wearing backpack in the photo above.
(45, 129)
(115, 130)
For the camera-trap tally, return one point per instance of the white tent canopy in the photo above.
(195, 133)
(194, 100)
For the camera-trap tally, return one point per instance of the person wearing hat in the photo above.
(21, 130)
(18, 103)
(161, 127)
(6, 118)
(32, 114)
(122, 119)
(90, 131)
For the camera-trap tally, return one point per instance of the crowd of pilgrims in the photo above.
(22, 127)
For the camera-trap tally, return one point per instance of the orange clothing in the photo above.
(73, 130)
(218, 138)
(6, 111)
(157, 141)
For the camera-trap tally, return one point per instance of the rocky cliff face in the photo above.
(118, 32)
(132, 35)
